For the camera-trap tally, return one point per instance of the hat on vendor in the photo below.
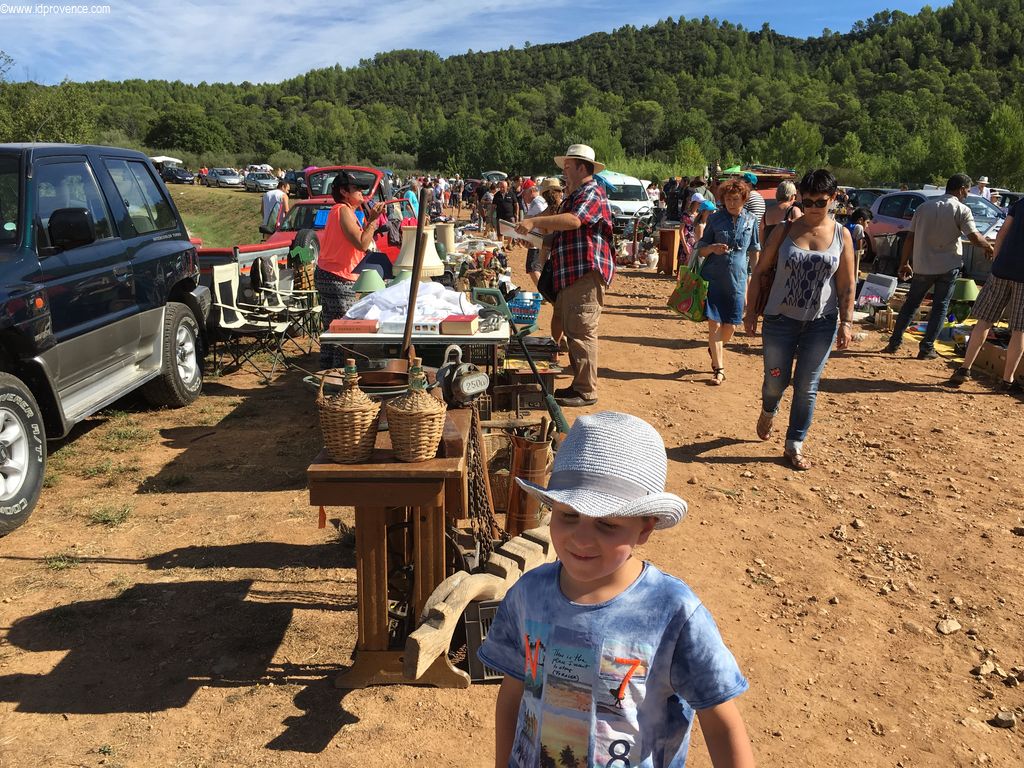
(750, 178)
(528, 184)
(579, 152)
(611, 465)
(342, 180)
(551, 183)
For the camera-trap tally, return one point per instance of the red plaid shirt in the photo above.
(589, 248)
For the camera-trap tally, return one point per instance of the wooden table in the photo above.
(385, 491)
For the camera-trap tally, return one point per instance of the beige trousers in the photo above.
(579, 308)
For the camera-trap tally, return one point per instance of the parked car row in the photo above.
(891, 215)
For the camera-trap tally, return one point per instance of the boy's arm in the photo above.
(726, 736)
(506, 714)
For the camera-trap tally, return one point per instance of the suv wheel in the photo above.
(22, 453)
(181, 378)
(303, 269)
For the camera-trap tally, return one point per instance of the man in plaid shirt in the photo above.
(583, 266)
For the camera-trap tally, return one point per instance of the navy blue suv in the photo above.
(99, 296)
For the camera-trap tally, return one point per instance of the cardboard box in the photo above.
(991, 360)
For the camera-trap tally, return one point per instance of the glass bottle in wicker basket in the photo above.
(348, 420)
(416, 419)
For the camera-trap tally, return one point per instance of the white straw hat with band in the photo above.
(579, 152)
(612, 465)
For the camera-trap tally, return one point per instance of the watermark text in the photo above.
(46, 9)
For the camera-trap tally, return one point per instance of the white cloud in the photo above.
(272, 40)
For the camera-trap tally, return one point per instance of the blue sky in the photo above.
(272, 40)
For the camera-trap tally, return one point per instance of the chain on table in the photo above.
(481, 513)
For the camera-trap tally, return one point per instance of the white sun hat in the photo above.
(612, 465)
(579, 152)
(983, 179)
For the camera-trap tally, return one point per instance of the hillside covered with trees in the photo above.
(898, 98)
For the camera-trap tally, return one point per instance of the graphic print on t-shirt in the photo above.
(570, 667)
(808, 275)
(621, 686)
(536, 645)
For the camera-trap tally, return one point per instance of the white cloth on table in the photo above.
(434, 302)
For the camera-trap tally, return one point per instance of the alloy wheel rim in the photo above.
(185, 356)
(14, 455)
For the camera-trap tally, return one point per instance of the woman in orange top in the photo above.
(343, 244)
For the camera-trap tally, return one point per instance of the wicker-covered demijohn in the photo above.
(416, 419)
(348, 420)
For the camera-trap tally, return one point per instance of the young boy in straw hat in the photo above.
(606, 658)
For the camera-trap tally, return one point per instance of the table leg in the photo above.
(428, 555)
(372, 578)
(385, 668)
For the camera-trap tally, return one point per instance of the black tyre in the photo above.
(181, 379)
(22, 453)
(306, 238)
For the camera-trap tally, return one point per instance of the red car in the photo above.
(299, 227)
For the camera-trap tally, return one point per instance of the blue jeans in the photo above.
(809, 343)
(942, 292)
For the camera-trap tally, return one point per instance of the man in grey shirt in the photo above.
(934, 243)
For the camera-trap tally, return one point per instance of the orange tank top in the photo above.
(337, 254)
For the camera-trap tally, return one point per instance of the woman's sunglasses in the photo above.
(821, 202)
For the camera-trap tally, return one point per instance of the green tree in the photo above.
(643, 123)
(285, 159)
(187, 127)
(589, 125)
(1000, 146)
(795, 144)
(687, 157)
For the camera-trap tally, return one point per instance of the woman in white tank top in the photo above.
(809, 307)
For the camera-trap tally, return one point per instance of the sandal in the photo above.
(764, 425)
(797, 461)
(717, 376)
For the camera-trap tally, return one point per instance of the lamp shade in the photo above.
(965, 290)
(444, 233)
(402, 276)
(369, 281)
(432, 265)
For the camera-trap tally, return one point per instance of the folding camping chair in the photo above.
(244, 330)
(299, 308)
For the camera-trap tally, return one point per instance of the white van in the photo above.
(628, 200)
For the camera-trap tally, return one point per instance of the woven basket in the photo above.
(415, 420)
(499, 465)
(348, 420)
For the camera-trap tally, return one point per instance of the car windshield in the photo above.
(10, 200)
(985, 213)
(263, 176)
(629, 192)
(320, 181)
(301, 216)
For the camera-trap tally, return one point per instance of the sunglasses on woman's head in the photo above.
(821, 202)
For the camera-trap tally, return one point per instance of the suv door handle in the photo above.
(122, 275)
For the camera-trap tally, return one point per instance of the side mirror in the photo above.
(71, 228)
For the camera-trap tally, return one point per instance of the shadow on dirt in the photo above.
(264, 443)
(650, 341)
(154, 646)
(611, 373)
(698, 452)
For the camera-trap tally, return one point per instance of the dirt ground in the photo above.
(172, 602)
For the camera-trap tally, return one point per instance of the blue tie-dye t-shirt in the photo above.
(612, 685)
